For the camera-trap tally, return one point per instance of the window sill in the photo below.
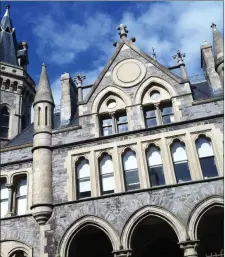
(16, 216)
(142, 190)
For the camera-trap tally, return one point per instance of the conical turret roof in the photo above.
(217, 44)
(44, 92)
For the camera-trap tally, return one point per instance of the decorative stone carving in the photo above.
(128, 73)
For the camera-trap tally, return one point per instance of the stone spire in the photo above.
(44, 92)
(218, 50)
(8, 43)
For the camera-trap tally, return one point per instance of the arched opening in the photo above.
(4, 122)
(154, 237)
(90, 241)
(210, 232)
(19, 253)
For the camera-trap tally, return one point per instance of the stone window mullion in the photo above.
(158, 114)
(11, 200)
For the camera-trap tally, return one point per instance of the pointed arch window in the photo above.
(21, 195)
(4, 122)
(206, 157)
(83, 181)
(19, 253)
(130, 169)
(107, 174)
(4, 195)
(39, 115)
(180, 162)
(155, 167)
(46, 115)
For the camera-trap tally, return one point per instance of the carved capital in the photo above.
(122, 253)
(189, 247)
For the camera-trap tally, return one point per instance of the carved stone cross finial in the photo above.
(123, 30)
(7, 6)
(179, 56)
(79, 79)
(153, 53)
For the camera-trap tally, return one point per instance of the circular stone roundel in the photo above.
(128, 73)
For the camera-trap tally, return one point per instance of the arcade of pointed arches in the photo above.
(140, 225)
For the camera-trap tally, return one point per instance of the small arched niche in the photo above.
(111, 103)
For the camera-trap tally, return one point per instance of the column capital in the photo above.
(122, 253)
(10, 185)
(189, 247)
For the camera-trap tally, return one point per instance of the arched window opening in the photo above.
(206, 157)
(155, 167)
(106, 175)
(21, 195)
(4, 196)
(7, 84)
(180, 162)
(15, 84)
(4, 121)
(7, 29)
(19, 253)
(46, 115)
(130, 169)
(83, 181)
(39, 115)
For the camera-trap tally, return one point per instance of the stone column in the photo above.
(122, 253)
(11, 188)
(114, 127)
(189, 247)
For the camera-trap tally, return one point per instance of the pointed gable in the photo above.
(127, 51)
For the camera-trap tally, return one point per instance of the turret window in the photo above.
(4, 195)
(206, 157)
(46, 115)
(155, 167)
(130, 170)
(4, 122)
(39, 115)
(180, 162)
(83, 179)
(107, 174)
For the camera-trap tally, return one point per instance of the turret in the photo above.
(42, 152)
(218, 52)
(208, 65)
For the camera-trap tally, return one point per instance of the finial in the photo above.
(44, 65)
(179, 56)
(123, 31)
(79, 79)
(213, 25)
(7, 10)
(132, 40)
(153, 53)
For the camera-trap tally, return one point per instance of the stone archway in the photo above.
(210, 232)
(89, 236)
(151, 228)
(90, 241)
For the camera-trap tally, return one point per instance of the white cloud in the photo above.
(166, 26)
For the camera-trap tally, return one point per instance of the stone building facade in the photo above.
(134, 168)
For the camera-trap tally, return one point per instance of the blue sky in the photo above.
(77, 37)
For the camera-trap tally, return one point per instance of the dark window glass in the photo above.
(150, 118)
(156, 176)
(182, 172)
(4, 122)
(206, 157)
(106, 125)
(167, 114)
(208, 167)
(130, 171)
(122, 124)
